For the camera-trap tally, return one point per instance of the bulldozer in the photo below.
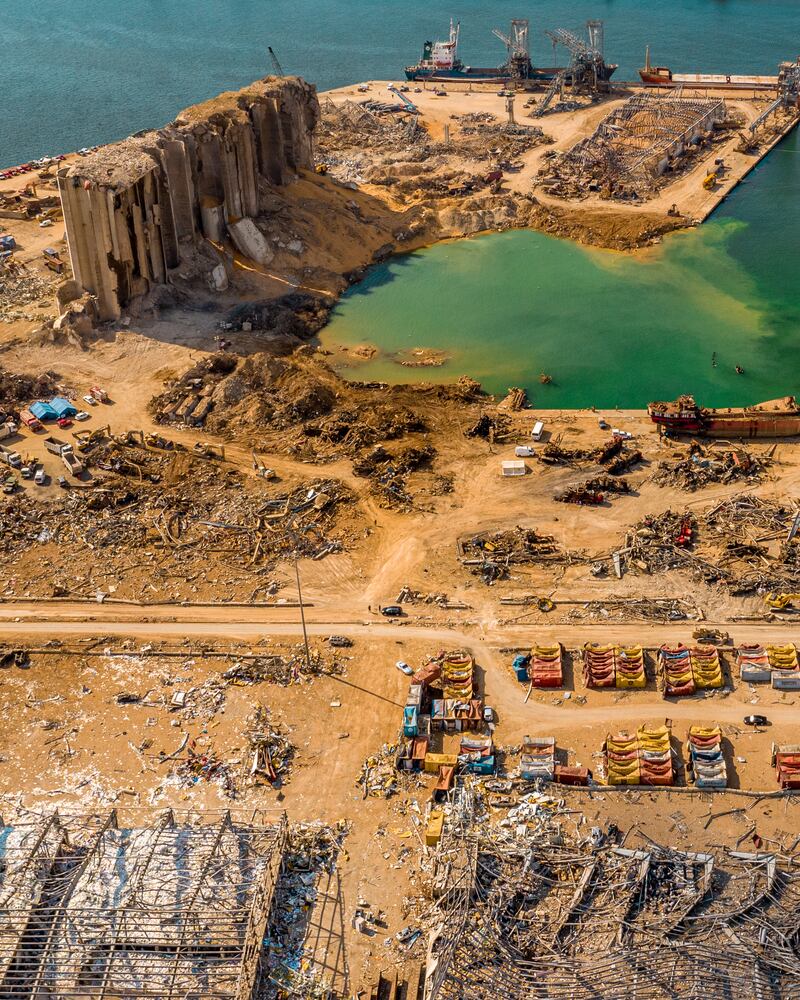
(780, 602)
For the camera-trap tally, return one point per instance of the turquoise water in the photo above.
(610, 329)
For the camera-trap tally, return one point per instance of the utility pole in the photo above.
(302, 612)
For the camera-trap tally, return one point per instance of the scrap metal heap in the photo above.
(527, 911)
(631, 150)
(727, 544)
(89, 907)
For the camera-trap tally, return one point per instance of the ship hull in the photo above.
(473, 74)
(709, 81)
(773, 419)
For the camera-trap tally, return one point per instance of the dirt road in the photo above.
(166, 622)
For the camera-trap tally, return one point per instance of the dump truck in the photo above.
(65, 452)
(72, 462)
(99, 394)
(10, 457)
(55, 446)
(7, 430)
(30, 421)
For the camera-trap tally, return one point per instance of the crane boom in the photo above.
(276, 66)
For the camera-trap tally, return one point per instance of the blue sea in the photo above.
(80, 72)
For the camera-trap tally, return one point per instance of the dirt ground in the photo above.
(69, 742)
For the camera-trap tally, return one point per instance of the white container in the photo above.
(513, 468)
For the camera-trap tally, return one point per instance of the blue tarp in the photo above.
(43, 411)
(62, 407)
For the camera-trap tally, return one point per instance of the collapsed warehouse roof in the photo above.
(538, 916)
(177, 908)
(635, 145)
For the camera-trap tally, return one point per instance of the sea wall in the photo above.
(136, 210)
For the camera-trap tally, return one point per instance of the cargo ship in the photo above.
(440, 64)
(774, 418)
(663, 76)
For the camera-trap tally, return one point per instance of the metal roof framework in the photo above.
(629, 143)
(541, 918)
(176, 909)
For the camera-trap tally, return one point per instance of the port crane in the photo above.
(516, 43)
(789, 92)
(276, 66)
(586, 66)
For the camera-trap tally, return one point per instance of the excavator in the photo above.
(781, 602)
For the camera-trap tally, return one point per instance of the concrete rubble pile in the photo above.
(388, 473)
(20, 288)
(179, 516)
(139, 211)
(490, 555)
(741, 542)
(270, 751)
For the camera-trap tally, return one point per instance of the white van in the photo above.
(524, 451)
(538, 430)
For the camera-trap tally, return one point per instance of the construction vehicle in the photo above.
(321, 168)
(65, 453)
(10, 457)
(99, 394)
(780, 602)
(262, 470)
(86, 439)
(53, 260)
(33, 423)
(8, 429)
(711, 180)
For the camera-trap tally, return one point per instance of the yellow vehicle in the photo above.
(710, 181)
(779, 602)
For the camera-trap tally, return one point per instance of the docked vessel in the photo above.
(664, 77)
(440, 62)
(774, 418)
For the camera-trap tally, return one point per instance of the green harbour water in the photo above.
(611, 329)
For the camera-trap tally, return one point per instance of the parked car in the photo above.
(39, 477)
(488, 713)
(756, 720)
(64, 422)
(90, 400)
(81, 415)
(392, 611)
(63, 483)
(404, 667)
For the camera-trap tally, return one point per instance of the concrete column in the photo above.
(182, 197)
(269, 140)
